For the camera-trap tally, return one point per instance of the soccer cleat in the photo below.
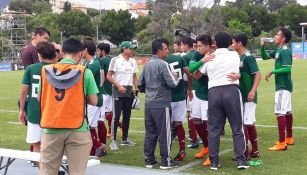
(61, 172)
(180, 156)
(214, 166)
(150, 163)
(202, 153)
(127, 143)
(290, 141)
(193, 145)
(207, 162)
(242, 164)
(113, 145)
(254, 154)
(280, 146)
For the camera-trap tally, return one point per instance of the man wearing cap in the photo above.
(122, 75)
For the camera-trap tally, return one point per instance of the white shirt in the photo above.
(123, 70)
(224, 63)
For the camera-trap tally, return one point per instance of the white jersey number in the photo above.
(172, 67)
(35, 86)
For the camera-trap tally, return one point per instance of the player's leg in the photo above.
(178, 116)
(280, 112)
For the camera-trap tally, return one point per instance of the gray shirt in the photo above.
(157, 81)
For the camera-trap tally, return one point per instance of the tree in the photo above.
(118, 26)
(21, 6)
(47, 20)
(93, 12)
(274, 5)
(141, 23)
(75, 22)
(41, 7)
(292, 16)
(67, 6)
(235, 27)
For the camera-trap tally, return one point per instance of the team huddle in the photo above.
(68, 91)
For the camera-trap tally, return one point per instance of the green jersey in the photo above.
(31, 77)
(200, 86)
(107, 86)
(283, 59)
(94, 66)
(176, 64)
(188, 56)
(248, 69)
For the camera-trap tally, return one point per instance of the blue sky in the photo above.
(139, 0)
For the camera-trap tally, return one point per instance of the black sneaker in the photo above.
(150, 163)
(61, 173)
(101, 151)
(242, 164)
(169, 164)
(214, 165)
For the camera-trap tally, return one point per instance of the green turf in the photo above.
(291, 161)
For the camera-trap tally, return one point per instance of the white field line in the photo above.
(189, 165)
(133, 118)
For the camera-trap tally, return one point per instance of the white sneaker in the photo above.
(113, 145)
(127, 142)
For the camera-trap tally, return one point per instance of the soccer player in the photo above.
(103, 51)
(31, 77)
(122, 74)
(178, 104)
(224, 101)
(283, 87)
(29, 52)
(187, 47)
(200, 102)
(249, 81)
(93, 111)
(157, 80)
(177, 48)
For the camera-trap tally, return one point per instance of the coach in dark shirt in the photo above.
(29, 52)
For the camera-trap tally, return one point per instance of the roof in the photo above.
(139, 6)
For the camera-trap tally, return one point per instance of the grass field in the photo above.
(292, 161)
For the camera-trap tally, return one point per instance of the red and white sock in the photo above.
(252, 133)
(201, 130)
(192, 130)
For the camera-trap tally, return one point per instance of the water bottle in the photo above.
(268, 40)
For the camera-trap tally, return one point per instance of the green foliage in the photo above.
(75, 22)
(141, 23)
(235, 27)
(41, 7)
(292, 16)
(21, 6)
(118, 26)
(93, 12)
(49, 21)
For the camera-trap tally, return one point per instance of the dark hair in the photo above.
(41, 31)
(222, 40)
(72, 46)
(90, 46)
(187, 42)
(205, 39)
(46, 50)
(241, 37)
(165, 41)
(155, 46)
(105, 47)
(177, 42)
(287, 34)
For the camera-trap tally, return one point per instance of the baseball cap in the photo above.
(126, 45)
